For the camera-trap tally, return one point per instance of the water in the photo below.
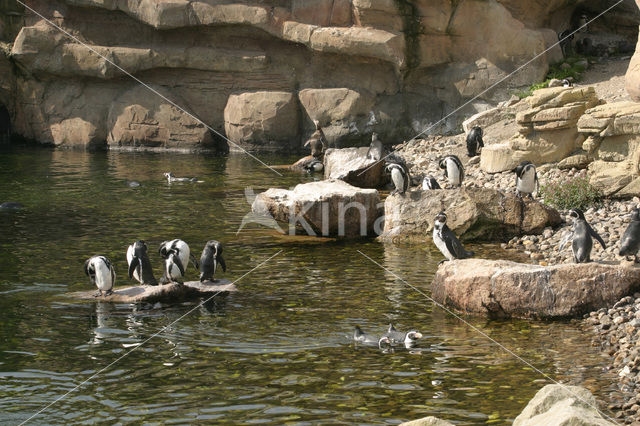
(276, 351)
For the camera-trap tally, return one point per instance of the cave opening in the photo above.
(5, 124)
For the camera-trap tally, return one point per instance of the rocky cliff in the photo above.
(259, 71)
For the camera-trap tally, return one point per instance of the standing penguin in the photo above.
(446, 241)
(376, 148)
(399, 176)
(630, 241)
(453, 170)
(526, 179)
(176, 255)
(582, 241)
(211, 257)
(101, 273)
(139, 264)
(317, 142)
(430, 183)
(474, 141)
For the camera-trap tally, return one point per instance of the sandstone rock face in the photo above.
(352, 166)
(325, 208)
(561, 405)
(265, 120)
(476, 213)
(500, 288)
(384, 66)
(548, 129)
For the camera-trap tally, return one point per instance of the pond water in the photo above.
(277, 351)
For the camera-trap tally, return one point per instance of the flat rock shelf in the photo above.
(161, 293)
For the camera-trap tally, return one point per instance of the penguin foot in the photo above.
(98, 293)
(108, 293)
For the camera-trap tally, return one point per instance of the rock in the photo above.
(352, 166)
(484, 119)
(613, 119)
(427, 421)
(632, 78)
(561, 405)
(76, 132)
(475, 213)
(172, 292)
(328, 208)
(500, 288)
(578, 161)
(264, 119)
(554, 82)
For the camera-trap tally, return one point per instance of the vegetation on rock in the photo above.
(573, 193)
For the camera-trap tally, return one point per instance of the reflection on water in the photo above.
(276, 351)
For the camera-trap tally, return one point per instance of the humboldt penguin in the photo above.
(314, 166)
(429, 182)
(474, 141)
(398, 337)
(399, 176)
(581, 234)
(317, 142)
(376, 148)
(446, 241)
(630, 241)
(567, 83)
(369, 339)
(211, 257)
(139, 264)
(176, 255)
(171, 178)
(526, 179)
(101, 273)
(453, 170)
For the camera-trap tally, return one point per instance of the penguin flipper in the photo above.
(568, 236)
(135, 262)
(454, 247)
(595, 235)
(178, 263)
(222, 263)
(86, 266)
(194, 261)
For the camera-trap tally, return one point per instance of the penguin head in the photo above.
(441, 220)
(520, 168)
(635, 214)
(391, 328)
(164, 248)
(140, 245)
(443, 163)
(576, 214)
(374, 136)
(566, 83)
(477, 130)
(384, 342)
(168, 175)
(317, 124)
(412, 336)
(215, 247)
(358, 333)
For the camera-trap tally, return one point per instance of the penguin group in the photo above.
(175, 255)
(391, 338)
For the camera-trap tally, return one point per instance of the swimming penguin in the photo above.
(429, 182)
(314, 166)
(581, 234)
(371, 340)
(171, 178)
(317, 142)
(101, 273)
(176, 255)
(526, 179)
(398, 337)
(139, 264)
(376, 149)
(630, 241)
(399, 176)
(133, 184)
(11, 205)
(474, 141)
(446, 240)
(453, 170)
(211, 257)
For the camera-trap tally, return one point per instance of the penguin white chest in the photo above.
(527, 182)
(439, 242)
(135, 274)
(103, 276)
(453, 173)
(397, 178)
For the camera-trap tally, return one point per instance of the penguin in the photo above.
(139, 264)
(564, 39)
(317, 142)
(526, 179)
(429, 182)
(11, 205)
(176, 255)
(171, 178)
(630, 241)
(474, 141)
(133, 184)
(398, 337)
(371, 340)
(314, 166)
(581, 234)
(211, 257)
(101, 273)
(566, 83)
(446, 240)
(399, 176)
(376, 149)
(453, 170)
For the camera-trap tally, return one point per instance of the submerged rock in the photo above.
(352, 166)
(561, 405)
(500, 288)
(478, 213)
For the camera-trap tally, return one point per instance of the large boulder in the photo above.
(352, 166)
(266, 120)
(501, 288)
(558, 404)
(427, 421)
(478, 213)
(325, 208)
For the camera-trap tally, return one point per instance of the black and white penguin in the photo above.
(139, 264)
(314, 166)
(582, 234)
(211, 257)
(453, 170)
(566, 83)
(370, 340)
(474, 141)
(176, 255)
(101, 273)
(565, 38)
(376, 148)
(398, 337)
(446, 241)
(429, 183)
(630, 241)
(399, 176)
(317, 141)
(526, 179)
(11, 205)
(171, 178)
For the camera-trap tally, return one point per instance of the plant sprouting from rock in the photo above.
(576, 192)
